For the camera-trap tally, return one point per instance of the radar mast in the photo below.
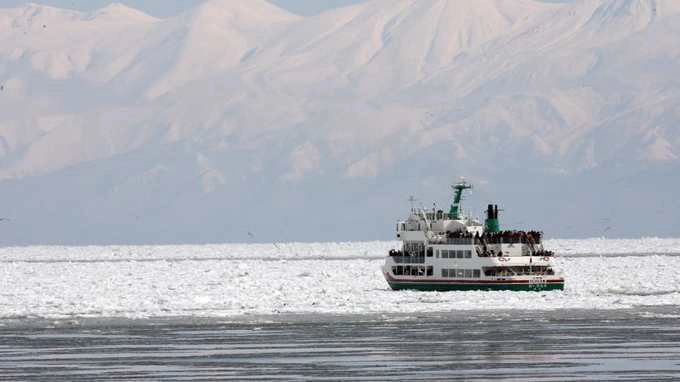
(458, 189)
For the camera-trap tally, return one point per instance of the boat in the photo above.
(452, 251)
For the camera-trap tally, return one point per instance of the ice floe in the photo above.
(251, 279)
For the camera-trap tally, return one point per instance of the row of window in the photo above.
(409, 259)
(454, 254)
(519, 271)
(412, 270)
(414, 247)
(461, 273)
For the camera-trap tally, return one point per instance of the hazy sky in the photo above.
(172, 7)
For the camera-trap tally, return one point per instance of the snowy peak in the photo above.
(64, 43)
(34, 16)
(398, 42)
(215, 36)
(218, 21)
(244, 13)
(121, 13)
(438, 30)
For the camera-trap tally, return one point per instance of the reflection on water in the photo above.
(560, 345)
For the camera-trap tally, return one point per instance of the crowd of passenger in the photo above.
(505, 237)
(485, 252)
(544, 253)
(512, 237)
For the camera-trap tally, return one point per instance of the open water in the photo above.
(632, 345)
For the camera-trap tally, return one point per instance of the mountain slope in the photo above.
(237, 116)
(393, 43)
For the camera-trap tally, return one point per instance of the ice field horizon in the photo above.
(251, 280)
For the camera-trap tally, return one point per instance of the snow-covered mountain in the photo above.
(239, 117)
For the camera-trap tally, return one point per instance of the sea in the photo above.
(562, 345)
(323, 312)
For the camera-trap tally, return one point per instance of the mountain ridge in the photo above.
(247, 109)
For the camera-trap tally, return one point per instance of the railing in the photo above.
(457, 241)
(485, 240)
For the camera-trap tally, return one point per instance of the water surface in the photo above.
(633, 344)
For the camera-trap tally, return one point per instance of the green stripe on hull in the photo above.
(468, 287)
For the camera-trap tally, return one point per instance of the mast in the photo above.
(458, 189)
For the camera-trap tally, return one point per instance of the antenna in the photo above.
(412, 199)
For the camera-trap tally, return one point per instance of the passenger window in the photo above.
(460, 273)
(468, 254)
(429, 270)
(414, 271)
(407, 270)
(445, 273)
(475, 273)
(459, 254)
(468, 273)
(445, 253)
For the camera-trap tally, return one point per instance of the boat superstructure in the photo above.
(445, 251)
